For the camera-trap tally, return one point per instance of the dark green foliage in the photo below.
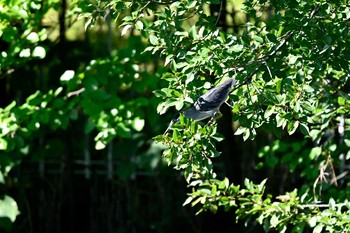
(291, 59)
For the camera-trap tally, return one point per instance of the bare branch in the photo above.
(77, 92)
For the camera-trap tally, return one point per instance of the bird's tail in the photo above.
(173, 121)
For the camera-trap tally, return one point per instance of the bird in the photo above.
(208, 104)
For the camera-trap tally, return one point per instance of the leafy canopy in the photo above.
(291, 59)
(294, 71)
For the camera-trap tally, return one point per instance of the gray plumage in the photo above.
(208, 104)
(215, 97)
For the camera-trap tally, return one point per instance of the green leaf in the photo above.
(138, 124)
(33, 37)
(168, 59)
(199, 199)
(274, 221)
(258, 39)
(153, 40)
(332, 204)
(308, 88)
(8, 208)
(262, 184)
(193, 32)
(3, 144)
(191, 4)
(100, 145)
(39, 52)
(269, 111)
(58, 91)
(240, 130)
(34, 99)
(10, 106)
(188, 201)
(189, 78)
(180, 65)
(314, 133)
(123, 131)
(315, 152)
(89, 22)
(125, 29)
(284, 229)
(67, 75)
(312, 221)
(179, 104)
(24, 53)
(281, 121)
(272, 38)
(278, 84)
(237, 48)
(318, 228)
(139, 25)
(214, 190)
(2, 178)
(341, 100)
(162, 108)
(292, 126)
(347, 142)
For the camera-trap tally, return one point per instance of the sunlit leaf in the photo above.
(138, 124)
(39, 52)
(126, 28)
(99, 145)
(8, 208)
(67, 75)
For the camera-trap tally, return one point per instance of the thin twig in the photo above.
(334, 177)
(270, 55)
(7, 73)
(219, 15)
(77, 92)
(288, 36)
(144, 7)
(322, 177)
(314, 206)
(342, 175)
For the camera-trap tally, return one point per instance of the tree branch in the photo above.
(266, 58)
(77, 92)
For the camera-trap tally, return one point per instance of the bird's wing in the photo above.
(213, 99)
(196, 115)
